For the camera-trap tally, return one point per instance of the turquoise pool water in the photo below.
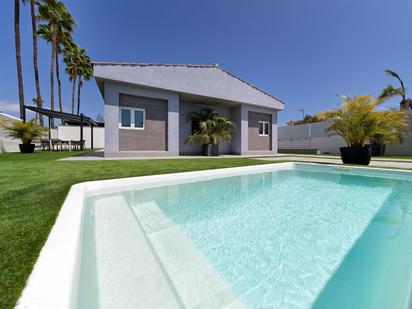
(298, 238)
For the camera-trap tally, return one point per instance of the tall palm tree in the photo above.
(18, 56)
(58, 21)
(390, 91)
(85, 72)
(64, 35)
(38, 100)
(72, 57)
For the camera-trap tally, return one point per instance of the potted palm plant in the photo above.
(358, 121)
(25, 131)
(209, 129)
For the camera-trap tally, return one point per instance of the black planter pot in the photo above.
(210, 150)
(356, 155)
(378, 150)
(26, 148)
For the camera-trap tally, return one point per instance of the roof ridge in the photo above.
(141, 64)
(155, 64)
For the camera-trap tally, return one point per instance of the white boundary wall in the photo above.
(68, 133)
(313, 136)
(8, 144)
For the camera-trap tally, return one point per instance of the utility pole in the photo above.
(301, 110)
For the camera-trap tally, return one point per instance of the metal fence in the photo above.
(295, 143)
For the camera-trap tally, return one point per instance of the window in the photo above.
(126, 118)
(139, 118)
(263, 128)
(132, 118)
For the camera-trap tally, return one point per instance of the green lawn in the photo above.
(33, 188)
(395, 157)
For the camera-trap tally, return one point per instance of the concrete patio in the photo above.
(376, 162)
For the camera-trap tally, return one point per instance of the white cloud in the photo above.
(7, 106)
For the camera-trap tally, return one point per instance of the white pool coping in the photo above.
(54, 279)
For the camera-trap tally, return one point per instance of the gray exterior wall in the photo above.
(244, 129)
(112, 93)
(236, 113)
(154, 135)
(257, 142)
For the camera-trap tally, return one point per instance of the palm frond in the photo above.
(392, 73)
(208, 127)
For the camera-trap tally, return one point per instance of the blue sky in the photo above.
(305, 52)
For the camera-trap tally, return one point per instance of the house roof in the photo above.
(209, 80)
(5, 116)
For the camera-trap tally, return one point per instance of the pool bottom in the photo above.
(293, 248)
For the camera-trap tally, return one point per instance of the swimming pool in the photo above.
(283, 235)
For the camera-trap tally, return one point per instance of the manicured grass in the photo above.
(33, 188)
(396, 157)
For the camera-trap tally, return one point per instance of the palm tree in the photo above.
(62, 36)
(72, 57)
(18, 56)
(59, 22)
(85, 71)
(38, 100)
(209, 128)
(390, 91)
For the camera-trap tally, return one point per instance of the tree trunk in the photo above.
(79, 86)
(59, 85)
(405, 104)
(53, 57)
(18, 56)
(39, 101)
(73, 91)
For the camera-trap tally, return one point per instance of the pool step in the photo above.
(194, 279)
(128, 273)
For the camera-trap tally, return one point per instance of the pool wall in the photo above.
(53, 282)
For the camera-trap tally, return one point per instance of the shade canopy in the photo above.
(73, 119)
(63, 116)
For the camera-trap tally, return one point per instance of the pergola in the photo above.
(76, 119)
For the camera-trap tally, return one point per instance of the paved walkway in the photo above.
(99, 155)
(376, 162)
